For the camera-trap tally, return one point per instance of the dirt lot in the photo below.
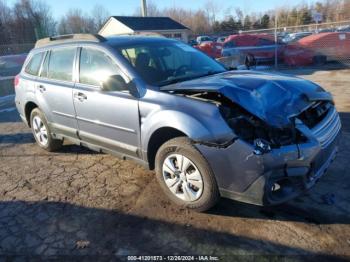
(78, 204)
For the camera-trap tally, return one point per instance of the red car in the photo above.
(318, 48)
(261, 46)
(212, 49)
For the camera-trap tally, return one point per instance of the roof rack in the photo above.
(69, 38)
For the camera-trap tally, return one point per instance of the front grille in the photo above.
(326, 130)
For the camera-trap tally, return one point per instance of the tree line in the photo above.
(29, 20)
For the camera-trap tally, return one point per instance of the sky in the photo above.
(128, 7)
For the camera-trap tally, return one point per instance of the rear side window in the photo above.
(34, 64)
(61, 64)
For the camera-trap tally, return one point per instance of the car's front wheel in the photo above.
(185, 176)
(41, 131)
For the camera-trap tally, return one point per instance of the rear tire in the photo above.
(42, 133)
(193, 185)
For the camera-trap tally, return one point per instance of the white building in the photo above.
(129, 25)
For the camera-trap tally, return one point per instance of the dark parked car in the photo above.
(208, 132)
(11, 65)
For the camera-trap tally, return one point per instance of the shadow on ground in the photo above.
(17, 138)
(69, 231)
(9, 117)
(290, 211)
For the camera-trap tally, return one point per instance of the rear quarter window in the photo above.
(33, 66)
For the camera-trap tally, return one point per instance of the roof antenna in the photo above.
(144, 8)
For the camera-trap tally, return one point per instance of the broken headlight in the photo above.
(253, 130)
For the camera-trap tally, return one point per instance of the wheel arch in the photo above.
(165, 125)
(157, 139)
(28, 108)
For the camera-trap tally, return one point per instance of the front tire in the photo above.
(42, 133)
(185, 175)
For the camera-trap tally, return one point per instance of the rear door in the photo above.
(54, 90)
(106, 118)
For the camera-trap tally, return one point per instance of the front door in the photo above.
(106, 118)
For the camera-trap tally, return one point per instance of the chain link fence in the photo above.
(325, 45)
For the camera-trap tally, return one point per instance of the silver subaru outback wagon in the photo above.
(208, 132)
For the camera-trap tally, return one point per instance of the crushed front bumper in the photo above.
(281, 174)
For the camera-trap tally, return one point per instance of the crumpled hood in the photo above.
(274, 98)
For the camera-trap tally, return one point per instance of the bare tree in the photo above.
(76, 22)
(99, 15)
(32, 20)
(211, 8)
(5, 21)
(239, 14)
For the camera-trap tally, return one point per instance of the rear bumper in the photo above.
(277, 176)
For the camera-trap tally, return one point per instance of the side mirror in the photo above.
(117, 83)
(114, 83)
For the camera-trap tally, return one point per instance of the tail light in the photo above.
(16, 81)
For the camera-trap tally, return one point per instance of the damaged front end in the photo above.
(284, 143)
(256, 132)
(268, 165)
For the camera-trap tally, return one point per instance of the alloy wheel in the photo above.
(40, 131)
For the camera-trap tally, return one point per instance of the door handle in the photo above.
(41, 88)
(80, 96)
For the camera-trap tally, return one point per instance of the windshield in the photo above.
(163, 63)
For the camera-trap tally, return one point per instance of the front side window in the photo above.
(96, 67)
(61, 64)
(34, 64)
(164, 62)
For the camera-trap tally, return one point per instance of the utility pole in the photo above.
(144, 8)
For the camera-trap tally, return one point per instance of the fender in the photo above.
(189, 125)
(174, 119)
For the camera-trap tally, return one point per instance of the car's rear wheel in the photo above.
(185, 176)
(41, 131)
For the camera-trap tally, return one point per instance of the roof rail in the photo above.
(69, 38)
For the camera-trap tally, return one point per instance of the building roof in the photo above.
(139, 23)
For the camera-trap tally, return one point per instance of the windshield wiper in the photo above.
(182, 79)
(177, 80)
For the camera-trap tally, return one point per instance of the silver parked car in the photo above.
(208, 132)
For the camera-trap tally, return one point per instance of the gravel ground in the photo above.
(76, 204)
